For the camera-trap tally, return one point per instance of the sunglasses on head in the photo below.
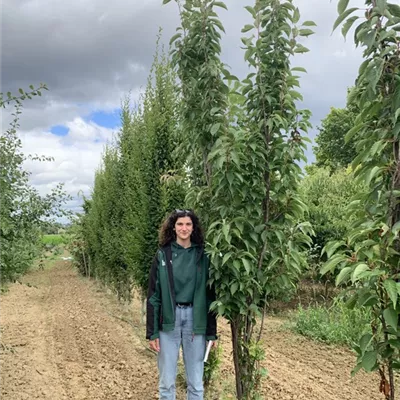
(178, 211)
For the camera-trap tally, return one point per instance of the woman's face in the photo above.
(183, 228)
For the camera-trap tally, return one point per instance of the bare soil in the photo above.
(65, 337)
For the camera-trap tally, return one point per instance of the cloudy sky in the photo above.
(92, 53)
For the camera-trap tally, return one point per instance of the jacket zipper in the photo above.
(170, 286)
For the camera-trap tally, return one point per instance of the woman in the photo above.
(178, 303)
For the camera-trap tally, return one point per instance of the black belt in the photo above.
(183, 305)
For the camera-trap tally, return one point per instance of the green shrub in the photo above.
(336, 324)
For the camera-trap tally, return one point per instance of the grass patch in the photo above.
(336, 324)
(53, 240)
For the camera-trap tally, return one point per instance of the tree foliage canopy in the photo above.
(369, 257)
(23, 210)
(332, 151)
(130, 198)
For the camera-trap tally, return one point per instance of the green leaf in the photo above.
(332, 263)
(176, 36)
(374, 171)
(300, 49)
(358, 271)
(353, 131)
(296, 15)
(394, 9)
(347, 25)
(342, 5)
(306, 32)
(365, 341)
(355, 370)
(369, 360)
(247, 265)
(331, 247)
(218, 24)
(166, 1)
(251, 11)
(381, 6)
(367, 300)
(299, 69)
(343, 16)
(225, 231)
(226, 257)
(391, 289)
(391, 317)
(394, 343)
(396, 98)
(247, 28)
(374, 73)
(309, 23)
(215, 128)
(220, 4)
(234, 288)
(343, 274)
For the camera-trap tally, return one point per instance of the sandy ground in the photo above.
(64, 337)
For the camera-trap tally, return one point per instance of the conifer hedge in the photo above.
(131, 195)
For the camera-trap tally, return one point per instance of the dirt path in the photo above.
(62, 339)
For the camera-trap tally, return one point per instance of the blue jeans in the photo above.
(193, 354)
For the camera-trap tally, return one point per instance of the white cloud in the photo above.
(76, 157)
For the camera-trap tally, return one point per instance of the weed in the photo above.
(336, 324)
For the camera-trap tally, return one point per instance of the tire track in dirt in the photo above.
(301, 369)
(74, 348)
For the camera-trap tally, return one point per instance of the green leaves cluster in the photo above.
(332, 151)
(369, 258)
(8, 98)
(130, 197)
(23, 210)
(196, 55)
(327, 196)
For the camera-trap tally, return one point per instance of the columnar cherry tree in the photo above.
(245, 144)
(369, 259)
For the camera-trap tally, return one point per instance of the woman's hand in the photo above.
(155, 345)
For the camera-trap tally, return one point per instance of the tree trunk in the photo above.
(235, 330)
(391, 380)
(84, 263)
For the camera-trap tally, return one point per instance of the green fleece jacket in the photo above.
(161, 299)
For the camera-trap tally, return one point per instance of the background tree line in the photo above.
(24, 213)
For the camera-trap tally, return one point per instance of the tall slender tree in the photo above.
(244, 165)
(130, 198)
(369, 258)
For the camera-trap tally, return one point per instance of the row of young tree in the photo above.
(231, 150)
(119, 230)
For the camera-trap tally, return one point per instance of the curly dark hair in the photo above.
(167, 233)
